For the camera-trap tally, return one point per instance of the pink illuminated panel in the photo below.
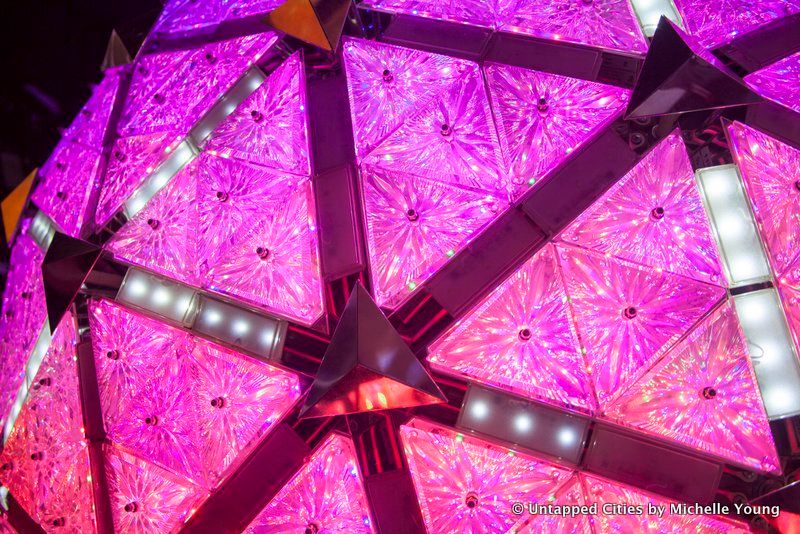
(162, 237)
(180, 402)
(132, 159)
(89, 126)
(778, 82)
(414, 225)
(67, 180)
(521, 337)
(603, 23)
(326, 495)
(704, 394)
(654, 216)
(273, 261)
(172, 90)
(616, 498)
(181, 17)
(23, 315)
(569, 494)
(45, 463)
(468, 485)
(451, 139)
(144, 497)
(716, 23)
(234, 228)
(627, 315)
(541, 118)
(476, 12)
(269, 126)
(771, 172)
(387, 84)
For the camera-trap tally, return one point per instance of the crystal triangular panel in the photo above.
(653, 216)
(521, 337)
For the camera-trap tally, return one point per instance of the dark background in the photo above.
(50, 56)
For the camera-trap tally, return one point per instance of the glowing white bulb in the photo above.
(479, 409)
(566, 437)
(522, 423)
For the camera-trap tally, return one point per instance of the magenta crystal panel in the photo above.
(182, 17)
(779, 82)
(451, 139)
(172, 90)
(89, 126)
(183, 403)
(475, 12)
(627, 315)
(326, 495)
(654, 215)
(704, 394)
(716, 23)
(45, 462)
(542, 117)
(521, 337)
(604, 23)
(771, 172)
(414, 225)
(146, 498)
(604, 492)
(468, 485)
(273, 261)
(66, 182)
(569, 494)
(388, 84)
(162, 237)
(269, 126)
(23, 315)
(235, 228)
(132, 159)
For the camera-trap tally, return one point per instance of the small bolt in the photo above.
(36, 456)
(152, 421)
(60, 165)
(446, 130)
(262, 252)
(210, 58)
(159, 98)
(471, 500)
(630, 312)
(26, 295)
(708, 392)
(61, 195)
(8, 466)
(525, 334)
(657, 213)
(412, 214)
(222, 196)
(112, 354)
(387, 75)
(45, 381)
(153, 223)
(218, 402)
(59, 522)
(542, 104)
(131, 507)
(120, 155)
(256, 115)
(797, 185)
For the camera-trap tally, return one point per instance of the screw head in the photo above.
(471, 500)
(131, 507)
(542, 104)
(657, 213)
(525, 334)
(256, 115)
(222, 196)
(446, 130)
(262, 252)
(152, 420)
(218, 402)
(112, 354)
(630, 312)
(387, 75)
(412, 214)
(708, 392)
(153, 223)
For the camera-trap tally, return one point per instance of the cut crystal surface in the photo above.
(627, 315)
(89, 125)
(181, 402)
(521, 337)
(604, 23)
(542, 117)
(388, 83)
(414, 225)
(326, 495)
(468, 485)
(66, 182)
(716, 23)
(703, 393)
(771, 172)
(269, 126)
(654, 216)
(778, 82)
